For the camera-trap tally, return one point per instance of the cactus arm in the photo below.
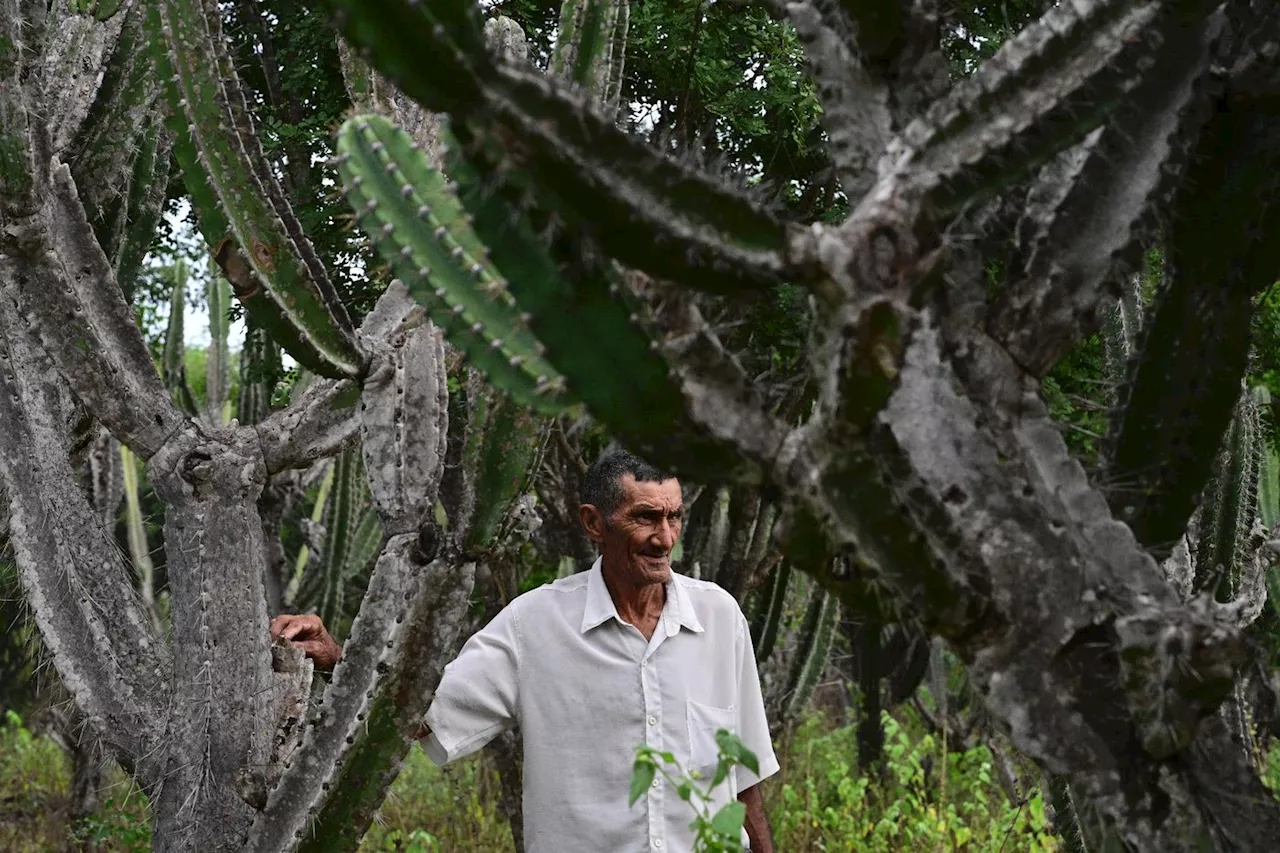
(629, 197)
(616, 188)
(565, 295)
(1268, 475)
(816, 633)
(433, 624)
(106, 157)
(444, 79)
(323, 419)
(510, 441)
(76, 52)
(395, 620)
(320, 423)
(173, 356)
(218, 365)
(421, 232)
(77, 586)
(260, 367)
(1095, 235)
(1230, 508)
(142, 209)
(764, 634)
(136, 535)
(855, 109)
(89, 330)
(106, 480)
(403, 427)
(1197, 334)
(590, 48)
(343, 514)
(283, 263)
(1060, 77)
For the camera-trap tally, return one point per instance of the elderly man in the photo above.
(592, 665)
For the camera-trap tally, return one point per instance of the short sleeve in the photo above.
(477, 697)
(753, 725)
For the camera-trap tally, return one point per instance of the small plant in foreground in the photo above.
(718, 833)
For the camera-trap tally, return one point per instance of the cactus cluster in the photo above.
(927, 483)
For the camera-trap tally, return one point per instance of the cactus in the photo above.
(769, 609)
(173, 357)
(217, 385)
(262, 226)
(442, 261)
(810, 658)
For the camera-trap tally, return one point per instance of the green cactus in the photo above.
(509, 446)
(816, 633)
(136, 534)
(1230, 507)
(217, 386)
(261, 225)
(260, 369)
(348, 506)
(591, 46)
(769, 610)
(421, 231)
(574, 161)
(173, 356)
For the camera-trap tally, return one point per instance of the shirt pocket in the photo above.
(704, 721)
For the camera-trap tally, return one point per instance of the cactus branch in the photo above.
(1093, 237)
(1197, 335)
(283, 262)
(85, 324)
(1067, 71)
(89, 616)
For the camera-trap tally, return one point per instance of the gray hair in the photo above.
(602, 486)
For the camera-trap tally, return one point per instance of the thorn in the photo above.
(406, 191)
(495, 344)
(423, 211)
(424, 272)
(441, 293)
(459, 308)
(515, 360)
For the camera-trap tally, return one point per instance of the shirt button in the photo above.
(657, 842)
(657, 782)
(653, 721)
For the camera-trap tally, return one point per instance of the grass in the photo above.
(818, 802)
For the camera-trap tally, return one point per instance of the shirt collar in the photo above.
(677, 613)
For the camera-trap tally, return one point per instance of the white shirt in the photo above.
(587, 689)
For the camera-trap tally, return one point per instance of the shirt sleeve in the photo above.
(477, 697)
(753, 725)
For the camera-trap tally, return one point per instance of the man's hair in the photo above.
(602, 487)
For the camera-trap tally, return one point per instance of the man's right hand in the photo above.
(308, 633)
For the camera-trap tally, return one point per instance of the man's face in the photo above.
(640, 534)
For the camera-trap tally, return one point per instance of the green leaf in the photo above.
(642, 774)
(728, 821)
(730, 745)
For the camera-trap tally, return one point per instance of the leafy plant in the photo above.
(720, 832)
